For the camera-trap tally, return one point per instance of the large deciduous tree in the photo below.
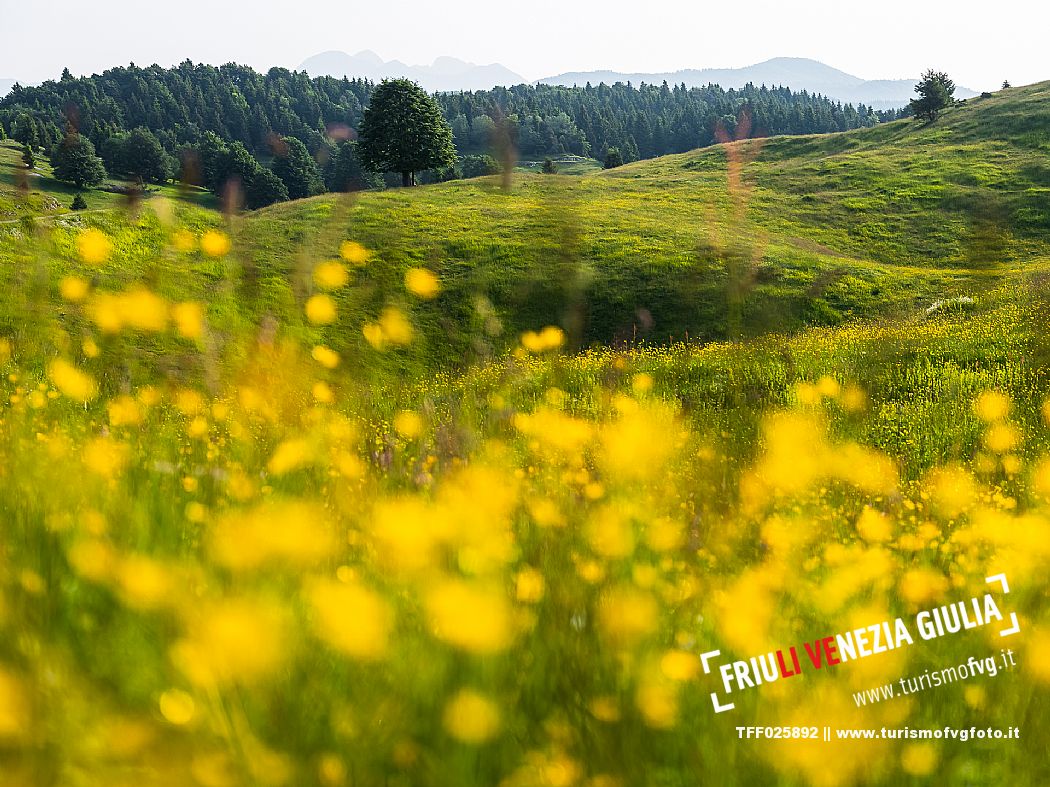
(265, 189)
(73, 160)
(935, 91)
(403, 130)
(137, 154)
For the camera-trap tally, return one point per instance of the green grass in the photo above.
(49, 197)
(567, 165)
(820, 230)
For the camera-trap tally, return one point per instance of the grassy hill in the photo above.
(816, 230)
(732, 241)
(49, 197)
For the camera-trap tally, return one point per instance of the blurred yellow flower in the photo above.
(323, 393)
(105, 457)
(14, 707)
(471, 717)
(215, 243)
(144, 583)
(952, 490)
(550, 338)
(320, 310)
(189, 319)
(291, 455)
(292, 532)
(354, 252)
(239, 640)
(919, 759)
(1041, 478)
(422, 283)
(679, 665)
(1037, 655)
(73, 288)
(529, 585)
(874, 526)
(992, 406)
(408, 424)
(920, 586)
(351, 618)
(94, 246)
(124, 411)
(77, 385)
(626, 615)
(331, 275)
(642, 383)
(396, 327)
(471, 617)
(1001, 437)
(658, 703)
(177, 707)
(325, 356)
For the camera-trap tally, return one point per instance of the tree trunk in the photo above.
(406, 178)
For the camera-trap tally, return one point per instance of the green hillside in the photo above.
(815, 231)
(824, 228)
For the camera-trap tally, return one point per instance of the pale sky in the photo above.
(978, 44)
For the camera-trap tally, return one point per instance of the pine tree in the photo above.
(935, 91)
(297, 169)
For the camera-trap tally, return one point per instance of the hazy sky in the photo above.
(979, 44)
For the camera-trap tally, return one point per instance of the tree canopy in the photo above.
(137, 154)
(237, 104)
(935, 91)
(296, 168)
(73, 160)
(403, 130)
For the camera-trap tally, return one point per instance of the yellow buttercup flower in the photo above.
(408, 424)
(354, 252)
(351, 618)
(177, 707)
(471, 717)
(189, 319)
(470, 617)
(992, 406)
(215, 243)
(422, 283)
(94, 246)
(550, 338)
(72, 382)
(325, 356)
(331, 275)
(73, 288)
(320, 310)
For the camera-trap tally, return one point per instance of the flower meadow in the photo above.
(250, 553)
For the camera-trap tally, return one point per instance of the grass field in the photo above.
(410, 487)
(49, 197)
(567, 165)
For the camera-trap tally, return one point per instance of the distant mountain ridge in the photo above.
(797, 73)
(444, 74)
